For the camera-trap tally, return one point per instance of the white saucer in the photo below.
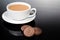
(16, 22)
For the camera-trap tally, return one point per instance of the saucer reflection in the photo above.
(16, 27)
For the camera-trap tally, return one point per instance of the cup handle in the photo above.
(33, 12)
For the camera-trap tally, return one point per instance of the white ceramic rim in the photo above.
(23, 3)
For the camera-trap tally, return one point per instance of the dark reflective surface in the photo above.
(5, 27)
(48, 19)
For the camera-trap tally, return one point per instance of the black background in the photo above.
(48, 19)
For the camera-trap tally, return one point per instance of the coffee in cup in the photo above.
(18, 7)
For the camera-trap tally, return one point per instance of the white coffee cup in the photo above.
(20, 15)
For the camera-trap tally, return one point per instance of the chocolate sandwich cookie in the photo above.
(37, 30)
(29, 31)
(24, 27)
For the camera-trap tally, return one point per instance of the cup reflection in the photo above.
(15, 29)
